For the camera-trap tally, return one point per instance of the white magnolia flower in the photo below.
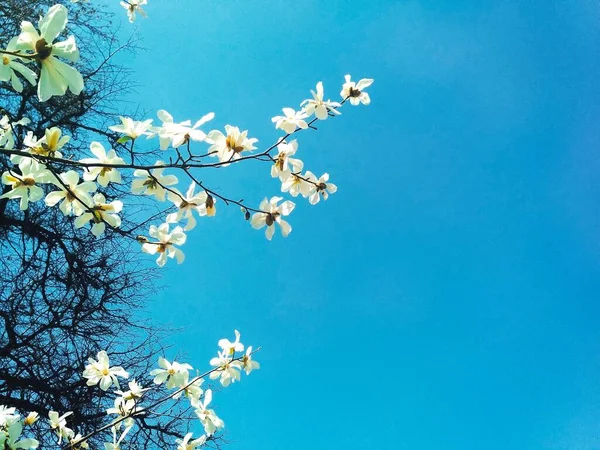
(296, 183)
(135, 391)
(134, 6)
(354, 91)
(228, 147)
(272, 214)
(132, 128)
(7, 138)
(76, 443)
(193, 391)
(7, 415)
(207, 417)
(167, 241)
(290, 120)
(9, 64)
(174, 374)
(100, 372)
(228, 370)
(49, 145)
(100, 214)
(153, 182)
(186, 204)
(284, 165)
(116, 443)
(31, 418)
(248, 364)
(318, 106)
(56, 76)
(123, 407)
(104, 175)
(13, 441)
(228, 347)
(59, 425)
(178, 134)
(24, 184)
(322, 189)
(186, 444)
(75, 198)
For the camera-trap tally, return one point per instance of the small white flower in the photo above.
(104, 175)
(248, 364)
(322, 189)
(284, 164)
(186, 444)
(178, 134)
(228, 347)
(228, 147)
(167, 241)
(7, 138)
(296, 183)
(186, 204)
(290, 120)
(10, 66)
(132, 128)
(75, 198)
(228, 371)
(100, 214)
(153, 182)
(135, 391)
(174, 374)
(208, 418)
(100, 372)
(59, 425)
(134, 6)
(31, 418)
(7, 415)
(355, 91)
(272, 213)
(319, 107)
(24, 184)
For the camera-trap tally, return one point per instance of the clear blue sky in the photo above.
(447, 296)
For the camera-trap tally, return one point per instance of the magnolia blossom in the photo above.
(31, 418)
(248, 364)
(12, 440)
(75, 198)
(56, 76)
(133, 6)
(100, 372)
(178, 134)
(228, 147)
(123, 408)
(174, 374)
(59, 425)
(10, 64)
(153, 182)
(272, 214)
(354, 91)
(290, 120)
(116, 443)
(135, 391)
(24, 184)
(193, 391)
(228, 370)
(165, 246)
(186, 204)
(75, 442)
(283, 162)
(7, 415)
(229, 348)
(208, 418)
(319, 107)
(48, 145)
(7, 138)
(297, 183)
(132, 128)
(104, 175)
(100, 214)
(186, 444)
(322, 189)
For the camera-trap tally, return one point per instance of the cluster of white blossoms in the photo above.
(82, 191)
(11, 429)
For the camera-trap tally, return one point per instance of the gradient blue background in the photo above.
(447, 296)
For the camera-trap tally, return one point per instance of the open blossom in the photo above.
(228, 370)
(56, 76)
(48, 145)
(174, 374)
(248, 364)
(134, 6)
(322, 189)
(208, 418)
(355, 91)
(296, 183)
(7, 415)
(7, 138)
(13, 441)
(228, 147)
(290, 120)
(59, 425)
(153, 182)
(104, 175)
(284, 164)
(178, 134)
(100, 372)
(319, 107)
(132, 128)
(187, 444)
(228, 347)
(167, 241)
(71, 196)
(101, 213)
(75, 442)
(272, 213)
(186, 204)
(24, 184)
(135, 391)
(123, 407)
(10, 66)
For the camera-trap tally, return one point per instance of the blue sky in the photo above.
(447, 296)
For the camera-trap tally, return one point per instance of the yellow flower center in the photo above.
(231, 144)
(105, 372)
(5, 60)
